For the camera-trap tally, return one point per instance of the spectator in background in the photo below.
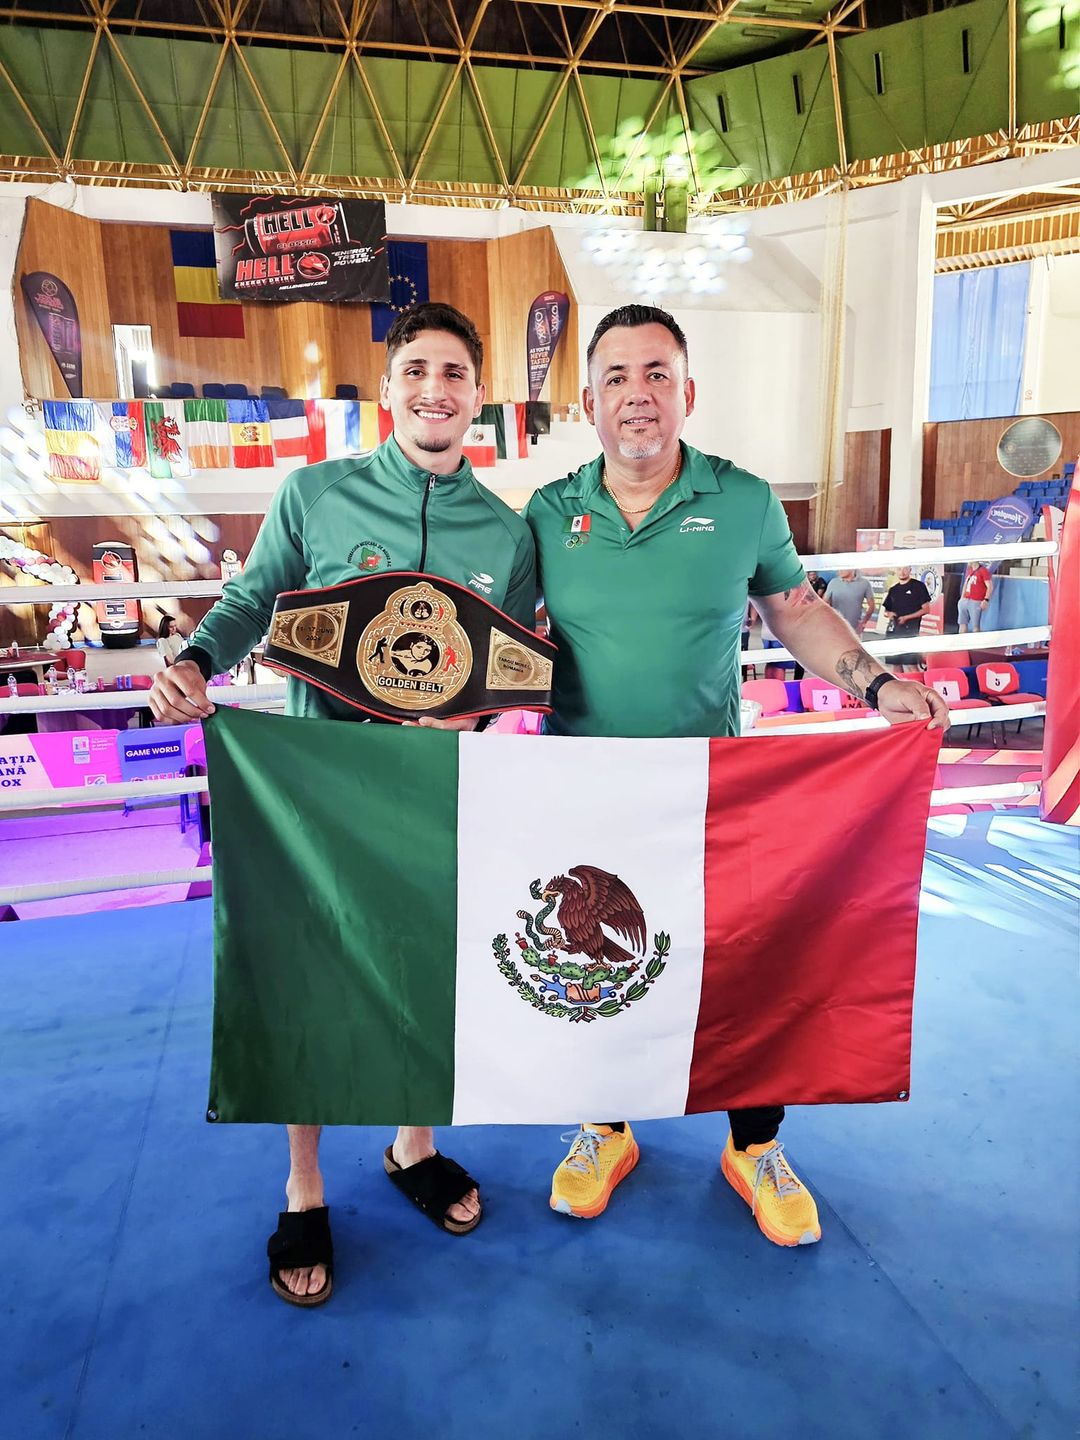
(816, 582)
(852, 596)
(905, 604)
(974, 598)
(169, 640)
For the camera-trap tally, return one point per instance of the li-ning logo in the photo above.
(697, 524)
(483, 581)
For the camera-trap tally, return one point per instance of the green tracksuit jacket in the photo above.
(336, 521)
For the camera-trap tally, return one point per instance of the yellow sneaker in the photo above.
(599, 1158)
(783, 1207)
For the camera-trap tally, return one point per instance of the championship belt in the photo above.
(403, 644)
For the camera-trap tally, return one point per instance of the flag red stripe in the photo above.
(813, 857)
(209, 322)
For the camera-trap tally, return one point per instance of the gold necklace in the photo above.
(624, 509)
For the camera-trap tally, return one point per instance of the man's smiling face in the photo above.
(432, 394)
(639, 394)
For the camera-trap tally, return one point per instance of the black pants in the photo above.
(755, 1127)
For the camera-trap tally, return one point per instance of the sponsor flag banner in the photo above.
(125, 425)
(249, 434)
(71, 440)
(1004, 521)
(481, 444)
(270, 247)
(407, 262)
(201, 313)
(53, 307)
(288, 428)
(547, 320)
(166, 444)
(519, 930)
(207, 425)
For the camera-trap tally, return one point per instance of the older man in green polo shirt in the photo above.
(647, 556)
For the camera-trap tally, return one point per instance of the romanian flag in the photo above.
(125, 427)
(201, 313)
(71, 440)
(249, 434)
(207, 423)
(530, 929)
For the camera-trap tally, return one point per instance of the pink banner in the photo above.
(59, 761)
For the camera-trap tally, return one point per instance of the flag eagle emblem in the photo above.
(607, 977)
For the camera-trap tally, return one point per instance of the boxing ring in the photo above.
(940, 1302)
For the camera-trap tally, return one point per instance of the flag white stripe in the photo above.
(530, 809)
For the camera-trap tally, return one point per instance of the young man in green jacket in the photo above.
(413, 504)
(646, 557)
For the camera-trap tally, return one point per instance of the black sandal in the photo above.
(433, 1185)
(302, 1240)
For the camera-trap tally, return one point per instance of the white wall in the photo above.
(1052, 360)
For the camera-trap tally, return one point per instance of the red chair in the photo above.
(771, 695)
(72, 659)
(1002, 683)
(819, 695)
(952, 685)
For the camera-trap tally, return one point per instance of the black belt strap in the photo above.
(403, 644)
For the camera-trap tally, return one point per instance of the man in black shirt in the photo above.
(905, 604)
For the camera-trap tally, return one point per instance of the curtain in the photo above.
(977, 351)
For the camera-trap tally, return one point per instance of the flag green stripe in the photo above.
(334, 982)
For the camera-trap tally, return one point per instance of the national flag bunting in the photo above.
(340, 427)
(124, 429)
(71, 440)
(249, 434)
(166, 442)
(207, 423)
(532, 930)
(481, 445)
(288, 428)
(513, 440)
(201, 313)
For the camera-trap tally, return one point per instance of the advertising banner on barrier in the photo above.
(157, 754)
(933, 622)
(53, 307)
(59, 761)
(547, 320)
(272, 248)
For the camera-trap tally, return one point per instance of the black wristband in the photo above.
(874, 687)
(199, 657)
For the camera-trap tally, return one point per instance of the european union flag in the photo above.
(407, 261)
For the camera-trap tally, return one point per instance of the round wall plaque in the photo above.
(1029, 447)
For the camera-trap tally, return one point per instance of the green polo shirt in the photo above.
(648, 621)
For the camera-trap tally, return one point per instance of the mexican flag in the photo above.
(480, 446)
(414, 926)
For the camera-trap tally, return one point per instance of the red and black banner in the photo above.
(547, 321)
(53, 307)
(272, 248)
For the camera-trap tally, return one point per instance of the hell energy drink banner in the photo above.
(271, 248)
(118, 620)
(53, 307)
(547, 321)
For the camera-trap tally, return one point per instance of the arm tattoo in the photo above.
(803, 594)
(856, 669)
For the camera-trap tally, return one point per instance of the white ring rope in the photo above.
(130, 699)
(99, 885)
(116, 590)
(924, 644)
(991, 715)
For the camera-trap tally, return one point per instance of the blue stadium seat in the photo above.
(236, 392)
(213, 392)
(346, 392)
(273, 392)
(182, 390)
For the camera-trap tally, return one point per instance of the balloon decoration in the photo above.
(63, 619)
